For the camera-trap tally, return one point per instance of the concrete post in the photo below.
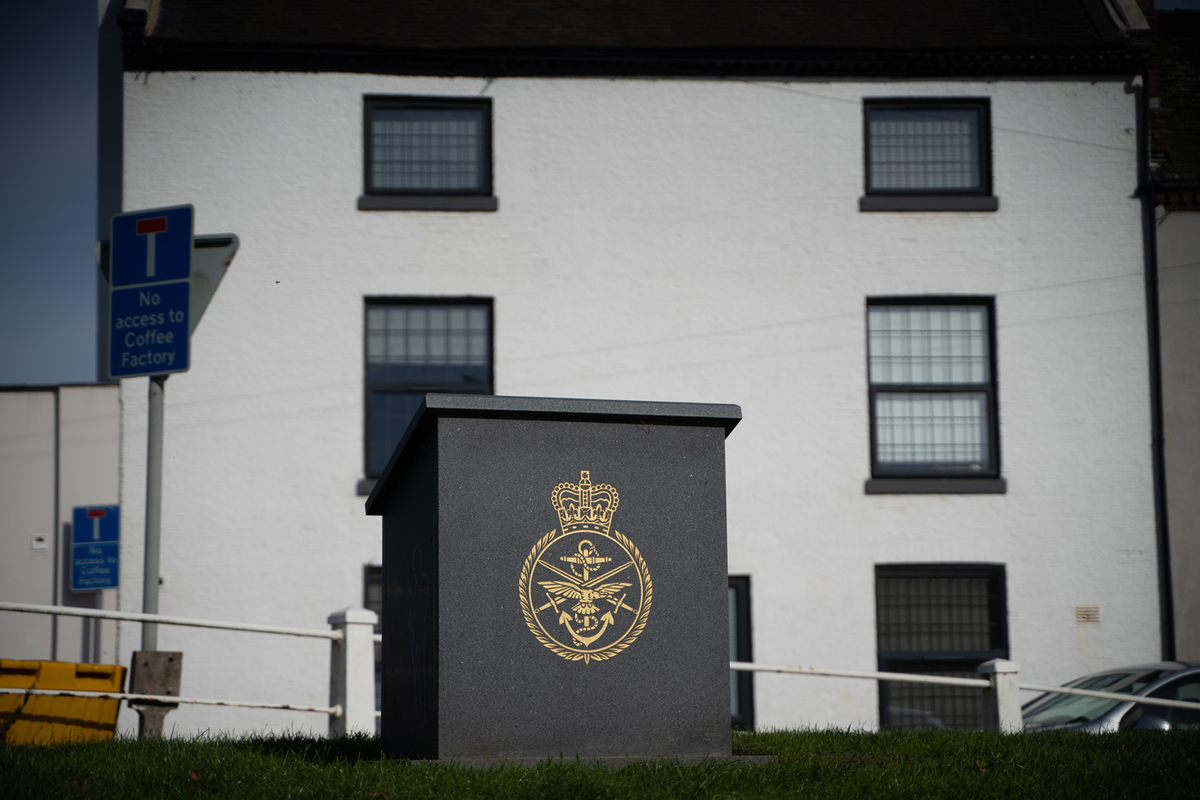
(159, 673)
(352, 672)
(1002, 702)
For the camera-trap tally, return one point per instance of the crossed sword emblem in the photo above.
(584, 592)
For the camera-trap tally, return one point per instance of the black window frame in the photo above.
(935, 477)
(743, 648)
(963, 661)
(383, 199)
(935, 199)
(412, 387)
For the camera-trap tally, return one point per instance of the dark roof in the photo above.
(1175, 81)
(493, 37)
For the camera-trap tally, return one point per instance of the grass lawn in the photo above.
(811, 764)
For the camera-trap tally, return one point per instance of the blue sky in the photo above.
(48, 202)
(48, 194)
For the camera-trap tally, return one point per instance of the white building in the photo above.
(58, 451)
(909, 248)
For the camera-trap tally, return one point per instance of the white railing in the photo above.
(1002, 705)
(172, 699)
(352, 638)
(352, 672)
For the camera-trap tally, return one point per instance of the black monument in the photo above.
(555, 580)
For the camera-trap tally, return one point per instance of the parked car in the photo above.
(1170, 680)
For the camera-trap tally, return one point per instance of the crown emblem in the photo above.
(583, 507)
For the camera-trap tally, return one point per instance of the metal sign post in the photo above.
(161, 278)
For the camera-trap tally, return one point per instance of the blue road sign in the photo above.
(95, 548)
(148, 329)
(152, 246)
(150, 277)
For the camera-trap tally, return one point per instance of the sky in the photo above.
(48, 80)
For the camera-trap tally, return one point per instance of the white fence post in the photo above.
(352, 672)
(1001, 703)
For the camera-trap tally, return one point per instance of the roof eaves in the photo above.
(796, 63)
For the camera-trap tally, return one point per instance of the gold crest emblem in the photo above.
(585, 588)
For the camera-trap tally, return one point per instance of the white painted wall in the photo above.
(32, 482)
(1179, 302)
(693, 240)
(27, 497)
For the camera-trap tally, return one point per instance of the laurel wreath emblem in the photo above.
(586, 656)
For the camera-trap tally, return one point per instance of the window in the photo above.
(937, 619)
(1187, 689)
(414, 346)
(373, 601)
(931, 374)
(928, 155)
(741, 684)
(1055, 709)
(426, 153)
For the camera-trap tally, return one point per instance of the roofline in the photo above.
(639, 63)
(153, 54)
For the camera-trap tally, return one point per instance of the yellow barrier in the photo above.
(43, 719)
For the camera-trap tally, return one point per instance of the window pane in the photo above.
(477, 345)
(923, 149)
(417, 348)
(429, 149)
(376, 346)
(924, 428)
(1186, 689)
(437, 348)
(942, 614)
(928, 344)
(390, 414)
(933, 620)
(922, 706)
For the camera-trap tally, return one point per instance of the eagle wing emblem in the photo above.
(562, 589)
(609, 589)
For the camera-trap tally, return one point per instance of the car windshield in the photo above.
(1061, 709)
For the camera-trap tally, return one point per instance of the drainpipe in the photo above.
(1158, 461)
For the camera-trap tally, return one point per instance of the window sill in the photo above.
(929, 202)
(364, 486)
(936, 486)
(427, 202)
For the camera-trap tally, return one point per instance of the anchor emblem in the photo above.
(568, 565)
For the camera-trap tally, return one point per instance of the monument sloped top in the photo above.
(436, 406)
